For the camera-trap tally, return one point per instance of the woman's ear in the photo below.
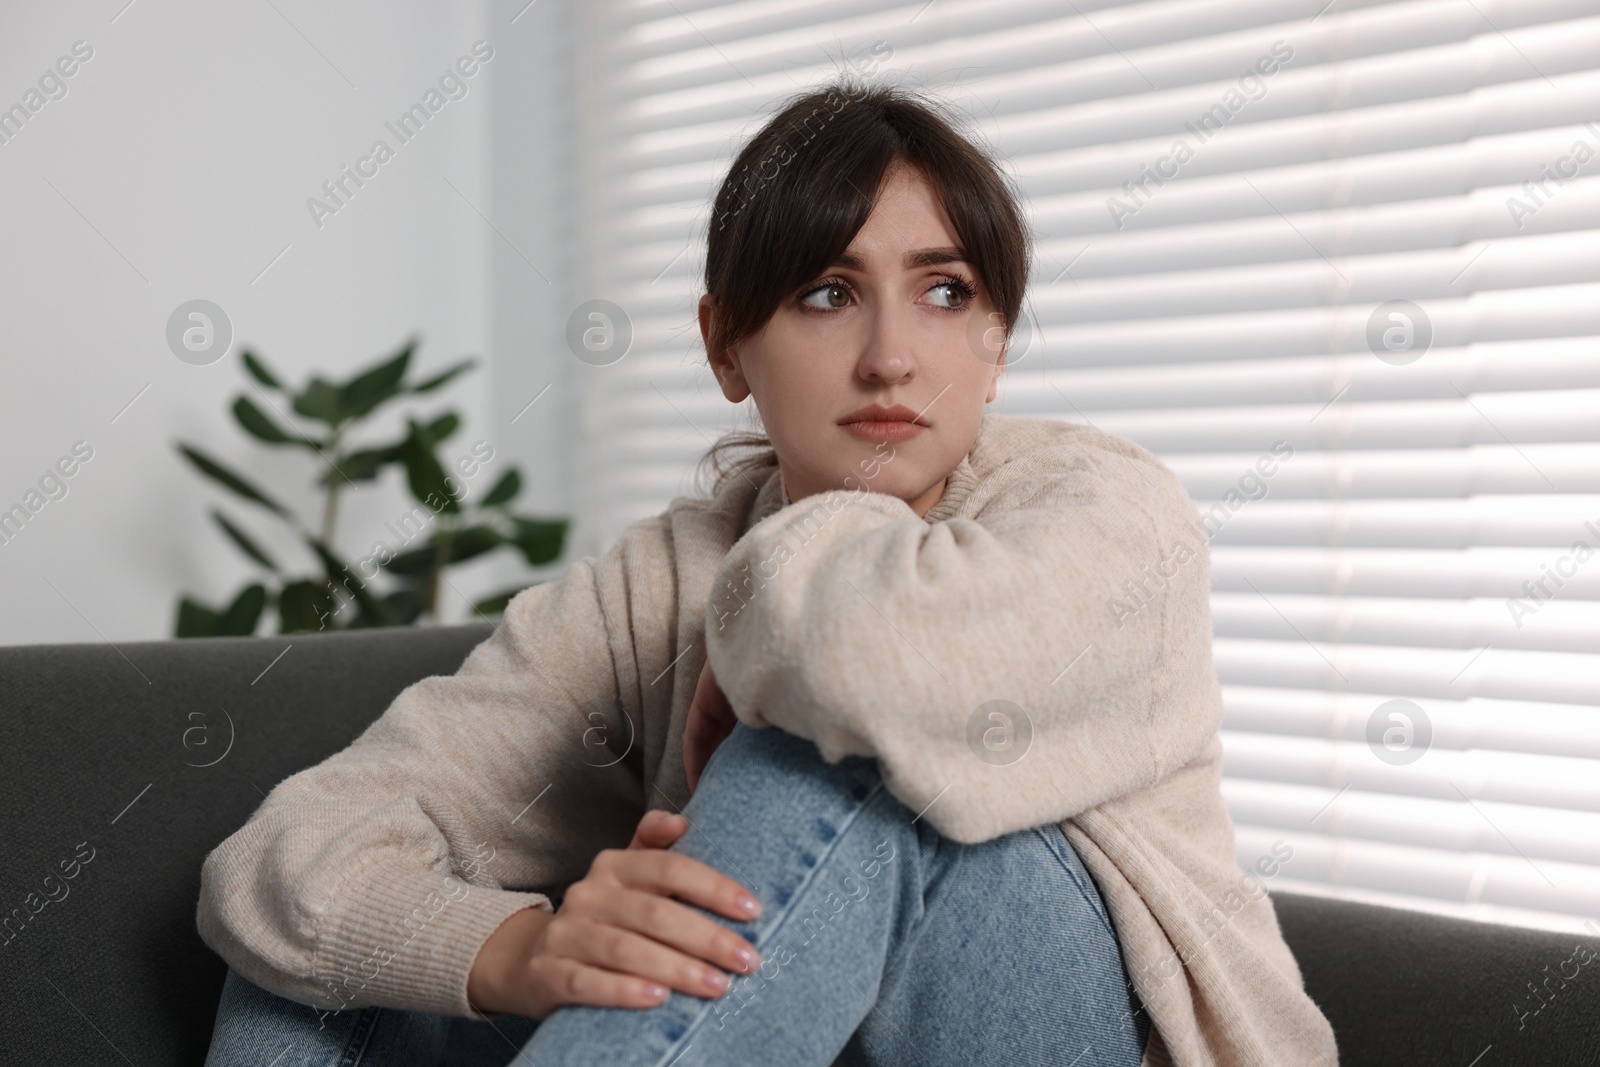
(994, 382)
(724, 361)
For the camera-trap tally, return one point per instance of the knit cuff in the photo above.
(408, 941)
(760, 552)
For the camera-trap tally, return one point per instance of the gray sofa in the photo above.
(127, 764)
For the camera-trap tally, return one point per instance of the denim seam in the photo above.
(355, 1047)
(908, 941)
(674, 1050)
(1091, 894)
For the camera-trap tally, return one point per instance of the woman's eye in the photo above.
(827, 296)
(953, 296)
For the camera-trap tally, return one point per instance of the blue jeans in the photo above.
(881, 943)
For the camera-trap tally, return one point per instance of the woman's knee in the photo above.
(766, 766)
(1013, 927)
(769, 809)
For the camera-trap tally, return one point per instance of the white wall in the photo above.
(536, 260)
(178, 165)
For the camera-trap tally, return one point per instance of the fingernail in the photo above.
(746, 956)
(655, 992)
(750, 905)
(715, 979)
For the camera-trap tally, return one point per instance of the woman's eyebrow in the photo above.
(922, 257)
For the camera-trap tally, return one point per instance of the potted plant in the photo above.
(327, 593)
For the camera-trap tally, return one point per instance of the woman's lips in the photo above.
(893, 430)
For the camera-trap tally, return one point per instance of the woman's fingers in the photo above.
(710, 721)
(698, 743)
(701, 736)
(672, 874)
(626, 933)
(573, 982)
(635, 890)
(697, 731)
(621, 950)
(677, 926)
(658, 829)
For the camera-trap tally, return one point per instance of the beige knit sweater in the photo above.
(1062, 574)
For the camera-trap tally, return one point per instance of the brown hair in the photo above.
(801, 189)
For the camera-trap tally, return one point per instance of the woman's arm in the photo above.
(375, 876)
(1068, 620)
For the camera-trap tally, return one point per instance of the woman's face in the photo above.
(900, 320)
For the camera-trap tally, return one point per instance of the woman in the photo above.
(947, 674)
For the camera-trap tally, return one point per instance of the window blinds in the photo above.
(1355, 245)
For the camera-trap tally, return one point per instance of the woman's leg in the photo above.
(257, 1028)
(857, 891)
(1014, 961)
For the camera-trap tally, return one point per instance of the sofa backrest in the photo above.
(1402, 987)
(132, 763)
(126, 765)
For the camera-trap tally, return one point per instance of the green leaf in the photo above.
(320, 400)
(540, 540)
(405, 605)
(240, 617)
(370, 388)
(305, 606)
(415, 562)
(424, 474)
(194, 619)
(246, 545)
(440, 379)
(214, 470)
(339, 574)
(366, 619)
(473, 541)
(259, 424)
(259, 371)
(509, 485)
(464, 544)
(363, 466)
(496, 605)
(443, 426)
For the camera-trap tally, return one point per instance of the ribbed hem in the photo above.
(408, 941)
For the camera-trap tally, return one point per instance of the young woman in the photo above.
(900, 747)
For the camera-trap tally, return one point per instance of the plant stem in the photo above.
(441, 555)
(330, 504)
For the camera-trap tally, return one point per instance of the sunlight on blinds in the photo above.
(1339, 266)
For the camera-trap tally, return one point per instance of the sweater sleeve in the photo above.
(375, 876)
(1007, 670)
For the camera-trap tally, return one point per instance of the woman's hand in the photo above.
(711, 720)
(618, 939)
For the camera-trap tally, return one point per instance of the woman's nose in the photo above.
(887, 355)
